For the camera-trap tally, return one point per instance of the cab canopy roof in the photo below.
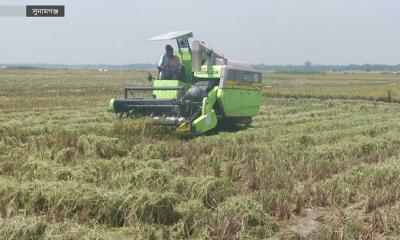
(172, 35)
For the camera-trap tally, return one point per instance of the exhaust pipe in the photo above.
(196, 57)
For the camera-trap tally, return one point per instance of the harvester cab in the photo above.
(210, 90)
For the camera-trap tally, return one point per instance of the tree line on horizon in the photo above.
(309, 68)
(306, 68)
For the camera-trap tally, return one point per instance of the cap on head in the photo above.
(169, 48)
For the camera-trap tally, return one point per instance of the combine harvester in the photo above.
(211, 91)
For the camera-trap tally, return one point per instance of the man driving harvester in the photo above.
(169, 66)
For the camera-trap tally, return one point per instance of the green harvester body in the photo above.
(211, 91)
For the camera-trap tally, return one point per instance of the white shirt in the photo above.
(162, 59)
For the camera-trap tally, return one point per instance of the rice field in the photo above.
(320, 161)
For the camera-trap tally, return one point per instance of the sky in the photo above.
(255, 31)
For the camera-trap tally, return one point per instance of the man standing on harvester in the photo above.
(169, 66)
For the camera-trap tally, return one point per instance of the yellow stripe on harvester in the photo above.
(243, 85)
(184, 128)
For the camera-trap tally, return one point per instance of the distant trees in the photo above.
(308, 67)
